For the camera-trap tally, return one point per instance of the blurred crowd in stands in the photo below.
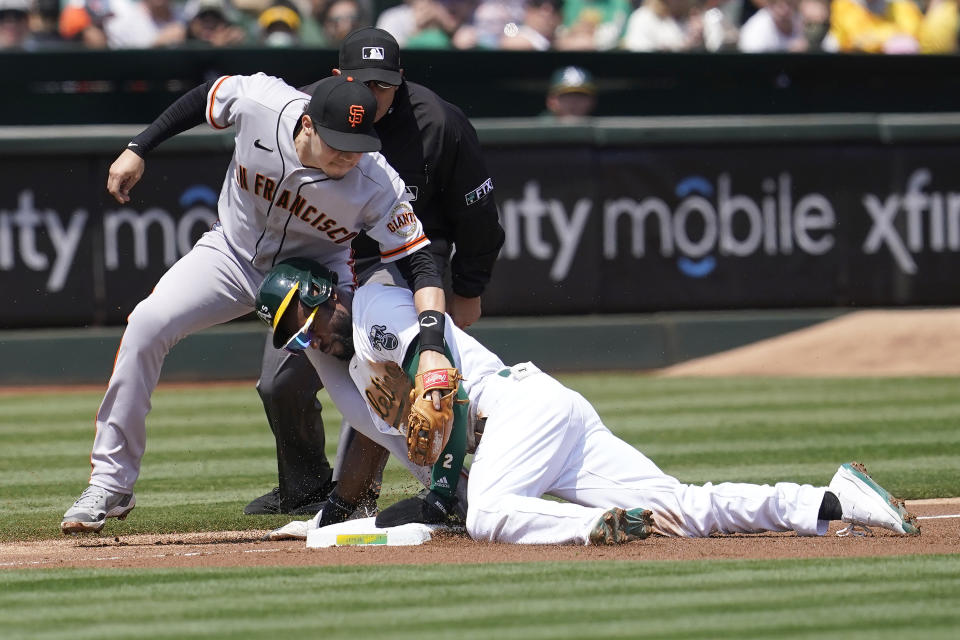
(870, 26)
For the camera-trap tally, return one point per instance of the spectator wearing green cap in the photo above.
(572, 94)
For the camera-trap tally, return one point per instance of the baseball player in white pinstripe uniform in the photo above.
(303, 181)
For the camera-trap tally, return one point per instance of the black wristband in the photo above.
(335, 510)
(431, 331)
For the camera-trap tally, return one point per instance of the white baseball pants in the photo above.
(543, 438)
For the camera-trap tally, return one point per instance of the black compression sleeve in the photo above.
(420, 270)
(185, 113)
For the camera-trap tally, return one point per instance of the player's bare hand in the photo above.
(125, 172)
(433, 360)
(465, 311)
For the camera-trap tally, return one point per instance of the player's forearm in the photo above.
(185, 113)
(429, 299)
(430, 305)
(423, 278)
(420, 270)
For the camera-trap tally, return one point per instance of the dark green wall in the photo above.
(59, 87)
(233, 352)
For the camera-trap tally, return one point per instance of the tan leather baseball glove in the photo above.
(428, 430)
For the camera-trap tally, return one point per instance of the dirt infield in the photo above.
(864, 343)
(247, 549)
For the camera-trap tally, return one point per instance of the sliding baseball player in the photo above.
(537, 437)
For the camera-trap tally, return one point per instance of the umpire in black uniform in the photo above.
(435, 149)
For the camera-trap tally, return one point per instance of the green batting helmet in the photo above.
(294, 277)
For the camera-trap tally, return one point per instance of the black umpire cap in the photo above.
(343, 111)
(371, 54)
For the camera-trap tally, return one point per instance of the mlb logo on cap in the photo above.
(371, 54)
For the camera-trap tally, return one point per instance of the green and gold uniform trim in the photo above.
(445, 473)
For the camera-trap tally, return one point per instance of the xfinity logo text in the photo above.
(544, 228)
(705, 222)
(119, 227)
(933, 218)
(39, 239)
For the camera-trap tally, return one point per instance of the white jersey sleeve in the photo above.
(227, 91)
(384, 328)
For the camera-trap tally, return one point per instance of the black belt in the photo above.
(478, 427)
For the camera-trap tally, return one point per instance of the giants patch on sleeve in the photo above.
(403, 222)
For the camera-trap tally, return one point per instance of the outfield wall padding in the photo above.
(625, 216)
(585, 343)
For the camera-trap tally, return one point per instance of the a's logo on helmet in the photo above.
(264, 313)
(381, 340)
(356, 115)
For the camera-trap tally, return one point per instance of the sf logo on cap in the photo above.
(372, 53)
(356, 115)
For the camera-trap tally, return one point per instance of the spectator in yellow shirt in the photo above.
(894, 26)
(938, 31)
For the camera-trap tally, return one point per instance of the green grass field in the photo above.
(210, 451)
(855, 599)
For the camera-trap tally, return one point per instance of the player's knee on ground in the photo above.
(484, 519)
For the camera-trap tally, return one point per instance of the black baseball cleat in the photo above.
(269, 503)
(426, 507)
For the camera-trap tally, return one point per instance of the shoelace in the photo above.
(854, 530)
(90, 496)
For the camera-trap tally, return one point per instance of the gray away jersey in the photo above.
(271, 207)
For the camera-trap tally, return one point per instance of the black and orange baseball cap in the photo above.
(371, 54)
(343, 111)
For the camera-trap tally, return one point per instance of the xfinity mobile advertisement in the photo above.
(587, 230)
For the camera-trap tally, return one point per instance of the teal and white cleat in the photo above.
(617, 526)
(867, 504)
